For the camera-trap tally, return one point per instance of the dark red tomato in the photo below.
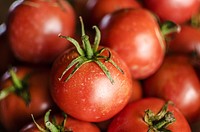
(33, 28)
(131, 118)
(177, 81)
(135, 35)
(99, 8)
(14, 112)
(178, 11)
(186, 41)
(71, 124)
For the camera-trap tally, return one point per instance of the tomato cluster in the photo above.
(100, 65)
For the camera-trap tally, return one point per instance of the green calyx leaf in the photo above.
(169, 27)
(51, 126)
(89, 53)
(20, 87)
(159, 122)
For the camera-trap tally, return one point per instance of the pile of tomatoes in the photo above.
(100, 65)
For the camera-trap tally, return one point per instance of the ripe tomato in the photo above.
(14, 111)
(71, 124)
(178, 11)
(33, 28)
(98, 89)
(135, 35)
(99, 8)
(177, 81)
(132, 117)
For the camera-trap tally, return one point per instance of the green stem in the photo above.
(17, 83)
(159, 122)
(75, 43)
(5, 92)
(168, 118)
(86, 42)
(169, 27)
(97, 39)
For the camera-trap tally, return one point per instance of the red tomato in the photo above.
(70, 125)
(177, 81)
(33, 28)
(131, 118)
(99, 8)
(178, 11)
(90, 94)
(135, 35)
(14, 112)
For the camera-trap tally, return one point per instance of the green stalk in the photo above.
(159, 122)
(85, 41)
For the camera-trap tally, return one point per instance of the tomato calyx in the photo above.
(169, 27)
(20, 87)
(159, 122)
(52, 126)
(89, 53)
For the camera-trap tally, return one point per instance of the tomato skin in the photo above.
(71, 123)
(189, 44)
(131, 117)
(177, 81)
(135, 35)
(99, 8)
(14, 112)
(33, 28)
(89, 95)
(178, 11)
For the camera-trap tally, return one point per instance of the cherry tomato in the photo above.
(99, 8)
(178, 11)
(134, 117)
(90, 84)
(135, 35)
(33, 28)
(71, 124)
(177, 81)
(14, 111)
